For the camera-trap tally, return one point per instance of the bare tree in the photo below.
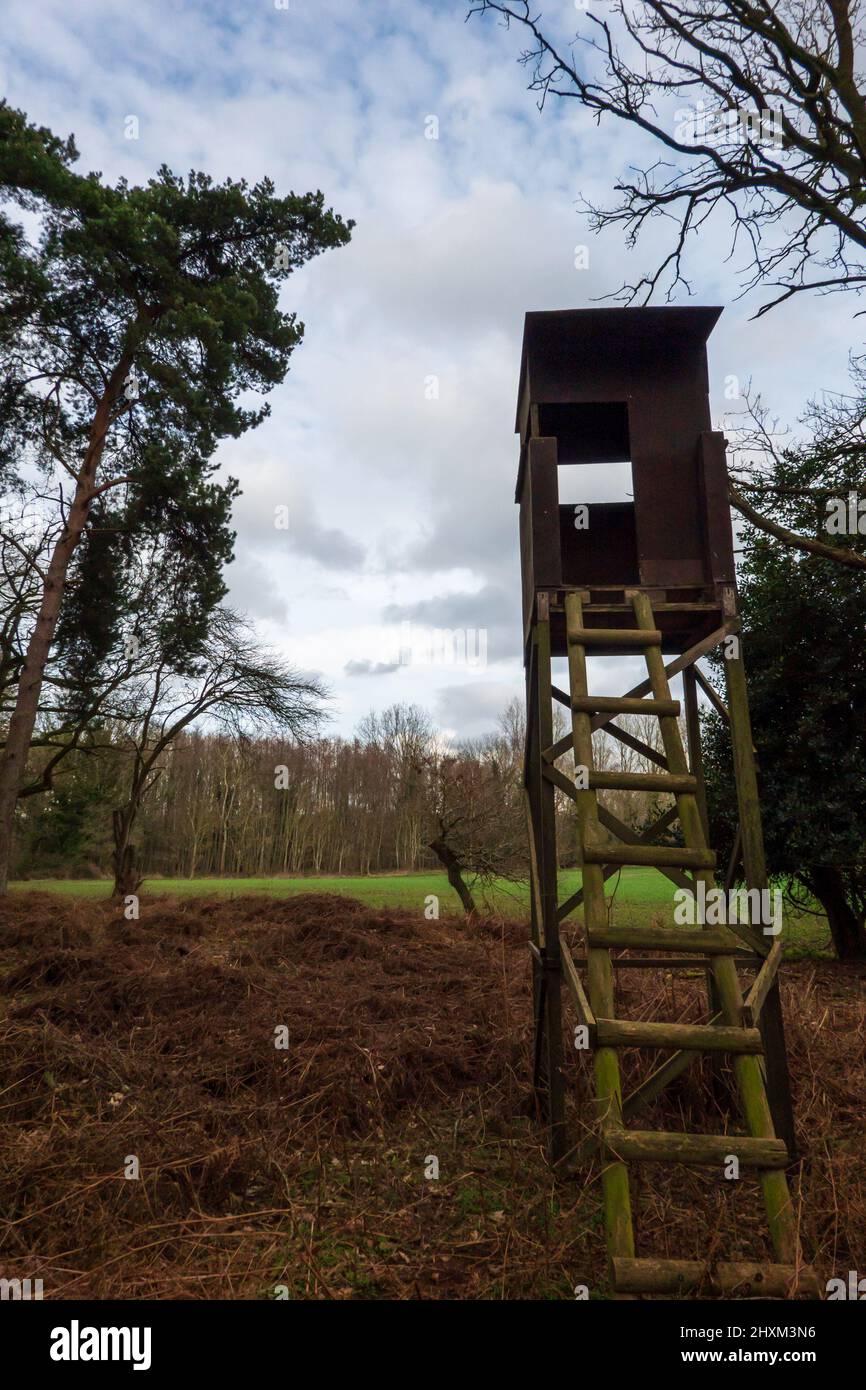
(404, 734)
(759, 110)
(240, 685)
(799, 479)
(474, 814)
(776, 130)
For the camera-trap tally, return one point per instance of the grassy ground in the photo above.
(377, 890)
(637, 896)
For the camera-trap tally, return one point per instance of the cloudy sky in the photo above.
(391, 441)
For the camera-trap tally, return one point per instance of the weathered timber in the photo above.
(545, 818)
(653, 855)
(636, 744)
(711, 693)
(748, 1070)
(697, 1037)
(665, 962)
(627, 835)
(673, 668)
(618, 704)
(608, 1088)
(761, 986)
(614, 637)
(725, 1279)
(653, 1085)
(578, 994)
(746, 775)
(679, 663)
(654, 1146)
(713, 942)
(641, 782)
(630, 837)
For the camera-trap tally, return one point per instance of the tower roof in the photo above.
(599, 335)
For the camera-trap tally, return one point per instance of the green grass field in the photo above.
(379, 890)
(638, 896)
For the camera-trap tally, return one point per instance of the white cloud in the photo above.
(398, 503)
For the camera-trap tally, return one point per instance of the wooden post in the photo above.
(544, 817)
(530, 779)
(755, 869)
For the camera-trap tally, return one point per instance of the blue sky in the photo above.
(401, 505)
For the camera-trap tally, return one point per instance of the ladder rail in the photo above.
(747, 1070)
(727, 1032)
(615, 1180)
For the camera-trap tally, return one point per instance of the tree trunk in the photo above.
(21, 724)
(846, 928)
(127, 879)
(451, 865)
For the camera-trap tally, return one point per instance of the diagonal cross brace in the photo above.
(673, 668)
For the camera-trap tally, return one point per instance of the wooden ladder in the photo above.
(726, 1033)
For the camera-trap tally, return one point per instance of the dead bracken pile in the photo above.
(301, 1168)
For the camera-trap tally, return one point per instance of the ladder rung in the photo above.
(652, 855)
(689, 1037)
(623, 704)
(654, 1146)
(642, 782)
(669, 963)
(615, 637)
(683, 1276)
(702, 943)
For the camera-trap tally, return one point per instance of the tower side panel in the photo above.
(540, 562)
(668, 412)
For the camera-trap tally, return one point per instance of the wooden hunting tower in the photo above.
(651, 576)
(625, 386)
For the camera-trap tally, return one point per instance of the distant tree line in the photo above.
(218, 801)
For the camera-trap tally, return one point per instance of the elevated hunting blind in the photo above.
(625, 386)
(651, 574)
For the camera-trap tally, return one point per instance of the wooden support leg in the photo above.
(539, 1017)
(539, 1007)
(755, 869)
(544, 817)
